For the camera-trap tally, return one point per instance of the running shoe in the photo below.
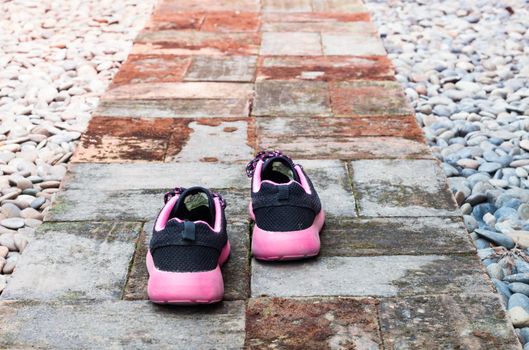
(285, 208)
(188, 246)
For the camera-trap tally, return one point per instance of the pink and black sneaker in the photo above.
(285, 208)
(188, 246)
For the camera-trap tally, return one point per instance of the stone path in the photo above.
(206, 85)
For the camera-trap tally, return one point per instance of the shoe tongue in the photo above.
(195, 197)
(281, 165)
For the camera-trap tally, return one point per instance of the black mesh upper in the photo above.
(285, 207)
(171, 252)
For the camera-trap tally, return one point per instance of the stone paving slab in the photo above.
(350, 44)
(370, 276)
(323, 323)
(394, 188)
(133, 205)
(291, 44)
(140, 196)
(322, 25)
(141, 69)
(138, 176)
(183, 42)
(120, 325)
(236, 272)
(185, 91)
(348, 147)
(291, 99)
(175, 108)
(395, 236)
(69, 261)
(224, 68)
(466, 321)
(336, 68)
(369, 98)
(294, 17)
(121, 140)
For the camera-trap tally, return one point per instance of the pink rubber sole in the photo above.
(186, 287)
(291, 245)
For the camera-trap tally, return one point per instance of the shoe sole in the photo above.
(290, 245)
(185, 288)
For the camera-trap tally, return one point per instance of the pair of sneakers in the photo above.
(190, 243)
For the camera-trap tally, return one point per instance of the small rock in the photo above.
(9, 210)
(38, 202)
(20, 242)
(3, 252)
(521, 238)
(519, 310)
(517, 277)
(518, 287)
(497, 238)
(30, 213)
(12, 223)
(7, 240)
(524, 144)
(495, 271)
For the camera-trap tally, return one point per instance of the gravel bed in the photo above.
(465, 67)
(56, 59)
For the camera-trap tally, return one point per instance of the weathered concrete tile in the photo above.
(232, 21)
(120, 324)
(369, 98)
(155, 176)
(338, 68)
(224, 68)
(203, 142)
(278, 17)
(151, 69)
(338, 6)
(348, 147)
(279, 130)
(187, 90)
(402, 188)
(331, 181)
(170, 20)
(132, 205)
(175, 108)
(81, 260)
(236, 272)
(284, 99)
(342, 323)
(316, 26)
(394, 236)
(347, 44)
(287, 6)
(467, 321)
(185, 42)
(127, 139)
(370, 276)
(172, 6)
(291, 44)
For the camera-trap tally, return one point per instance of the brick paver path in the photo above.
(207, 84)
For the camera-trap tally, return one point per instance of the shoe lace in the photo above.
(262, 155)
(178, 190)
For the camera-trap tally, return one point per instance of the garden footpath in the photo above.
(207, 84)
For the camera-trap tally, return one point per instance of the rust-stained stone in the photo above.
(325, 68)
(236, 271)
(369, 98)
(322, 323)
(283, 99)
(394, 236)
(128, 139)
(466, 321)
(151, 69)
(182, 42)
(234, 21)
(175, 21)
(175, 108)
(222, 68)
